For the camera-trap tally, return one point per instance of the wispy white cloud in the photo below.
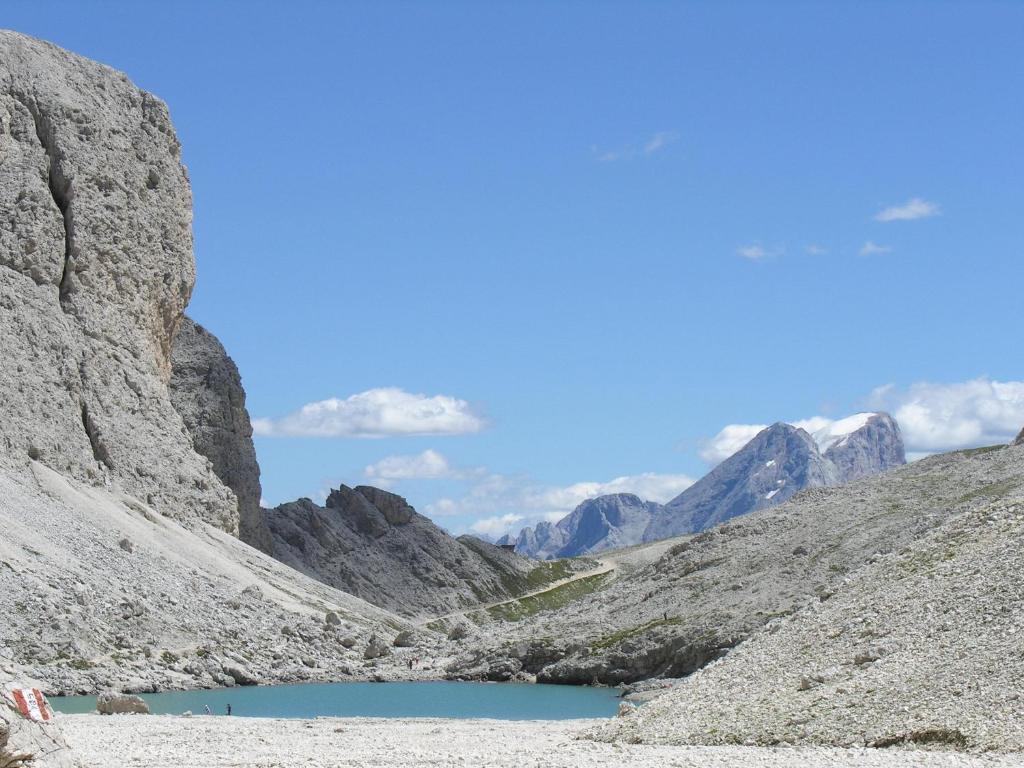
(815, 250)
(871, 248)
(651, 146)
(384, 412)
(496, 526)
(754, 252)
(659, 141)
(915, 208)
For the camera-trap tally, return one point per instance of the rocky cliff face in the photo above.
(206, 391)
(541, 541)
(874, 446)
(1020, 438)
(777, 463)
(372, 544)
(607, 522)
(96, 267)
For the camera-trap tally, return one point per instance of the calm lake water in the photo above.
(501, 701)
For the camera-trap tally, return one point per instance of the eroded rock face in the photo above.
(207, 393)
(96, 267)
(873, 448)
(372, 544)
(1020, 438)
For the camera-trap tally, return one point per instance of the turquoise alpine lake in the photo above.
(499, 701)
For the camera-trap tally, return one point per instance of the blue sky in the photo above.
(574, 241)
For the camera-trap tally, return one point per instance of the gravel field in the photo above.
(216, 742)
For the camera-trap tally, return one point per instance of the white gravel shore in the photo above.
(216, 742)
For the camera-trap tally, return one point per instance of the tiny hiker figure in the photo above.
(229, 710)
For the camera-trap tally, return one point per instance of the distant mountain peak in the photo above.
(779, 461)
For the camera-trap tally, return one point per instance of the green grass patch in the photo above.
(991, 491)
(552, 599)
(980, 451)
(615, 638)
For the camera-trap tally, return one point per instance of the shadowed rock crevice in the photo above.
(60, 190)
(99, 450)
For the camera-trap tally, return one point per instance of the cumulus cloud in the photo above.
(948, 417)
(717, 449)
(915, 208)
(932, 417)
(429, 465)
(384, 412)
(496, 526)
(871, 248)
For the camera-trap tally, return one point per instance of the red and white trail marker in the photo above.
(32, 704)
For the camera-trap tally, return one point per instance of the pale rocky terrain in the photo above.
(923, 647)
(711, 591)
(219, 742)
(101, 592)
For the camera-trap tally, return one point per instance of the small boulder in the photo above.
(126, 545)
(404, 639)
(458, 632)
(240, 674)
(868, 655)
(111, 703)
(348, 642)
(332, 618)
(375, 649)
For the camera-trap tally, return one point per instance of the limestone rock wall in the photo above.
(207, 392)
(96, 267)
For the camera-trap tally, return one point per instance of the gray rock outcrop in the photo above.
(96, 267)
(113, 703)
(1020, 438)
(872, 448)
(596, 525)
(206, 391)
(372, 544)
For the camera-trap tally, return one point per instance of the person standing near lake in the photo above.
(229, 710)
